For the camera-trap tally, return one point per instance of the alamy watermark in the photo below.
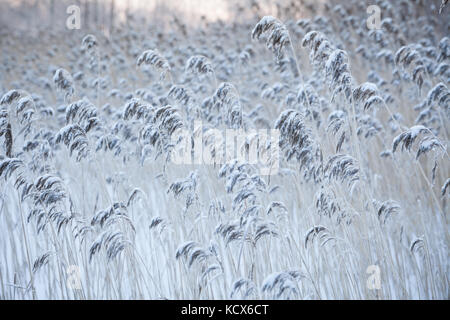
(259, 147)
(73, 21)
(73, 277)
(374, 280)
(374, 20)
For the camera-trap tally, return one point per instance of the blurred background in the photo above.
(29, 15)
(104, 14)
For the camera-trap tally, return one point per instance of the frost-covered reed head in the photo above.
(89, 42)
(275, 32)
(64, 82)
(199, 65)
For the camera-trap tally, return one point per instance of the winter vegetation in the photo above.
(355, 205)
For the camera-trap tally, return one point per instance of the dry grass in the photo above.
(93, 207)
